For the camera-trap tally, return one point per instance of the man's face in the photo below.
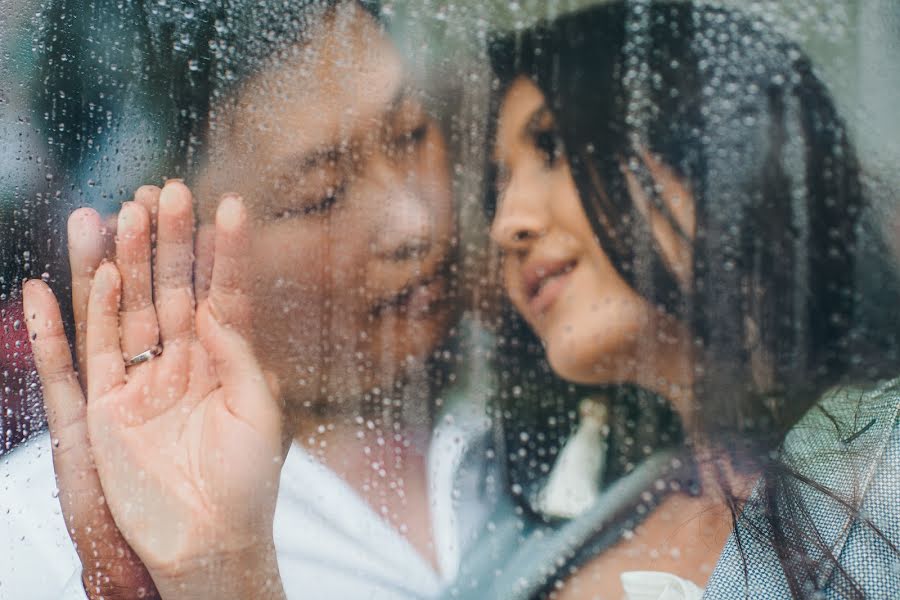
(346, 179)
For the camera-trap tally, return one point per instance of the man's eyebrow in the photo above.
(310, 160)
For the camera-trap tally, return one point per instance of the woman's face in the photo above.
(346, 178)
(595, 327)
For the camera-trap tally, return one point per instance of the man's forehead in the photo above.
(327, 93)
(331, 89)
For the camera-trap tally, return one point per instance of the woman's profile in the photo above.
(679, 207)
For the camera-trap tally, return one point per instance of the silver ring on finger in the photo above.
(146, 355)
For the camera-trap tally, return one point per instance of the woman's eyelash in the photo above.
(549, 145)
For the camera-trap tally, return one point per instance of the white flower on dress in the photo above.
(574, 482)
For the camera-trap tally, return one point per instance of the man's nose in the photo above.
(407, 221)
(522, 217)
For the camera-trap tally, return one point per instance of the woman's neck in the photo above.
(722, 477)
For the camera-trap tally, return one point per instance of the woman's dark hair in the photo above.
(774, 306)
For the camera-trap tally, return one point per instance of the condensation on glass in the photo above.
(361, 136)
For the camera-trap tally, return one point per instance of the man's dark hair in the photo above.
(122, 93)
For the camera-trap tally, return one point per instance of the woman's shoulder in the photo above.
(37, 558)
(871, 551)
(846, 442)
(845, 413)
(843, 464)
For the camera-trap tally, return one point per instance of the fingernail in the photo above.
(148, 197)
(101, 278)
(230, 211)
(130, 217)
(169, 199)
(79, 222)
(32, 285)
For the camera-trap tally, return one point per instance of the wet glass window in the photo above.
(405, 300)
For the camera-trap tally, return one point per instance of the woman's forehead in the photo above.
(523, 108)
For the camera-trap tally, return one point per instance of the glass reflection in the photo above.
(317, 125)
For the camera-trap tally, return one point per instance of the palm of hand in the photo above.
(180, 466)
(188, 445)
(168, 468)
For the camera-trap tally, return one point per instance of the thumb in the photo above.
(248, 390)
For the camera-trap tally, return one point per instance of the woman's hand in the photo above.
(187, 445)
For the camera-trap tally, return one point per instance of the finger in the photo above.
(204, 248)
(88, 520)
(148, 197)
(228, 298)
(63, 402)
(174, 264)
(140, 329)
(63, 397)
(223, 320)
(105, 365)
(86, 250)
(247, 388)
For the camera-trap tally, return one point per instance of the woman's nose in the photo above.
(522, 218)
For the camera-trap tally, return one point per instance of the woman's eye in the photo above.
(318, 207)
(548, 144)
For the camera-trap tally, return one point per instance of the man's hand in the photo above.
(110, 568)
(187, 446)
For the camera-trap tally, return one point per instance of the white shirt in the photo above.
(330, 543)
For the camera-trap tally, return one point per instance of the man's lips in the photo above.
(544, 280)
(421, 297)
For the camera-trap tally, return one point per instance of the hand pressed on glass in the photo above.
(188, 446)
(111, 569)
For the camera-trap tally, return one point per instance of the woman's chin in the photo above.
(574, 366)
(585, 361)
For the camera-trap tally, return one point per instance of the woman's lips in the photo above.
(545, 282)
